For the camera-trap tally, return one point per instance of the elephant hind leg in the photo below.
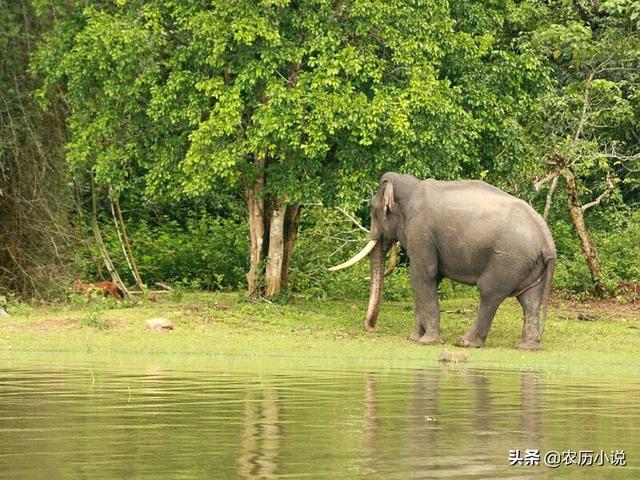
(477, 334)
(531, 301)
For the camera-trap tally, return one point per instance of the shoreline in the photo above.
(211, 326)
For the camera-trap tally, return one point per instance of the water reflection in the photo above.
(261, 434)
(457, 425)
(155, 422)
(531, 412)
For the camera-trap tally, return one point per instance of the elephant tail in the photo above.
(547, 278)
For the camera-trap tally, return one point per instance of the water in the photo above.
(106, 421)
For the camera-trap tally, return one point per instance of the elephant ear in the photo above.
(387, 196)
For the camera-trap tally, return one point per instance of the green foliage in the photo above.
(590, 116)
(167, 99)
(13, 305)
(327, 238)
(182, 96)
(614, 232)
(620, 251)
(200, 252)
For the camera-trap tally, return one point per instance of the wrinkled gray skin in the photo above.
(472, 233)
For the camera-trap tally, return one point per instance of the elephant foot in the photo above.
(370, 326)
(427, 339)
(470, 341)
(415, 336)
(528, 345)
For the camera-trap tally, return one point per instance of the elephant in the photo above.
(470, 232)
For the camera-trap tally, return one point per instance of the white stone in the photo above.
(159, 324)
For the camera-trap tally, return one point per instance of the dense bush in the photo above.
(620, 252)
(616, 234)
(211, 253)
(201, 252)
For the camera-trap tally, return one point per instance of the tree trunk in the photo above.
(273, 228)
(276, 249)
(577, 215)
(255, 207)
(291, 224)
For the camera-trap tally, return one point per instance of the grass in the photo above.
(303, 330)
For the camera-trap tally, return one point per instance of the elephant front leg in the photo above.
(427, 309)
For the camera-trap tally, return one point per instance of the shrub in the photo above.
(200, 253)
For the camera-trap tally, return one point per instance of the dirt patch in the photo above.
(221, 306)
(593, 310)
(184, 309)
(629, 291)
(52, 324)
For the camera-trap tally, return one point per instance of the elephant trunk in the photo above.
(377, 281)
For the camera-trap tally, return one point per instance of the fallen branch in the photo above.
(121, 230)
(157, 292)
(103, 249)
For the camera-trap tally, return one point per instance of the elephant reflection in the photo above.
(461, 422)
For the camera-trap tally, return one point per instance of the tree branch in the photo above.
(548, 178)
(353, 219)
(597, 201)
(549, 201)
(585, 106)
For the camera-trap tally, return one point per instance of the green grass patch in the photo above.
(209, 325)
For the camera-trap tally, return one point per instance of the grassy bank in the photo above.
(578, 337)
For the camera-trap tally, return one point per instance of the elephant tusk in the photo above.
(359, 256)
(394, 261)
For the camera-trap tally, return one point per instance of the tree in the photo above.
(291, 101)
(587, 124)
(34, 202)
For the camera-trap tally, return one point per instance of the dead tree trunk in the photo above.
(121, 230)
(549, 201)
(131, 259)
(576, 210)
(115, 276)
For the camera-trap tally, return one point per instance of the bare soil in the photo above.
(596, 309)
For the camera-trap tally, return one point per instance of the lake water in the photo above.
(101, 420)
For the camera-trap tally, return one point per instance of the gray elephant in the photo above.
(467, 231)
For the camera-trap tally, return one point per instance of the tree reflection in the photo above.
(260, 434)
